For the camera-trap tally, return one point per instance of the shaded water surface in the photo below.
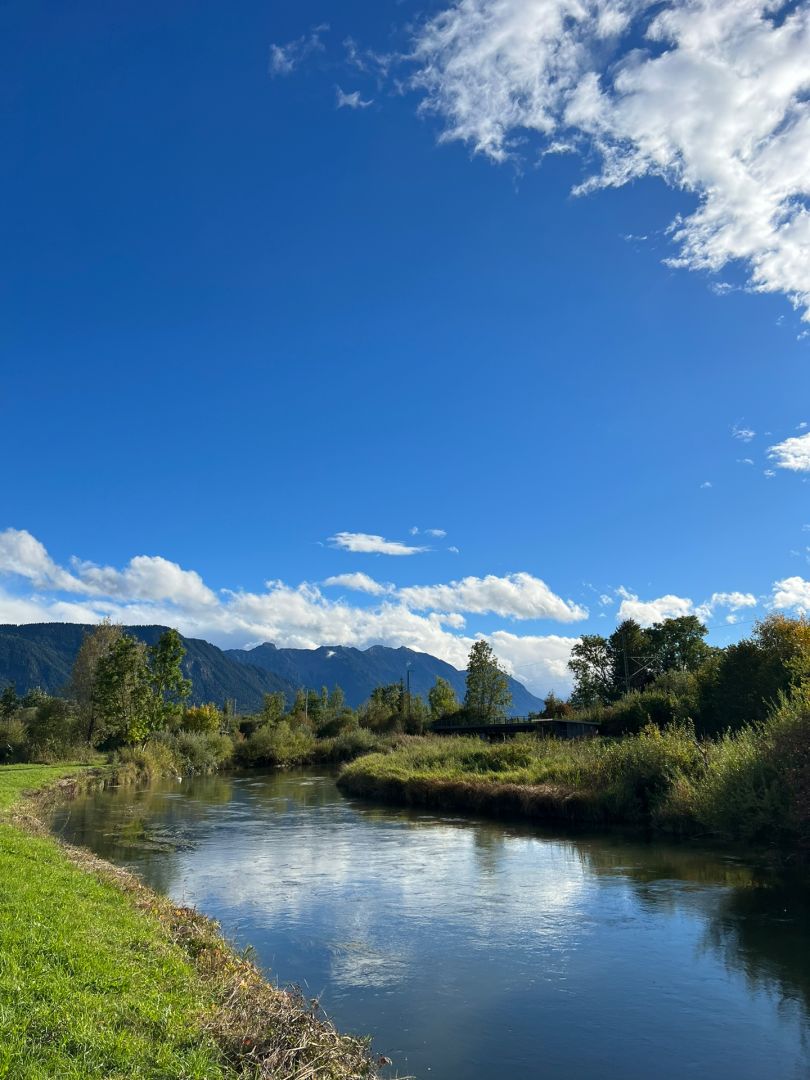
(473, 949)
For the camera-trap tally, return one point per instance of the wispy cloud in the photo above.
(371, 544)
(743, 433)
(352, 100)
(631, 80)
(792, 454)
(284, 59)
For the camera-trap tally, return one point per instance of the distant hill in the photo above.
(42, 654)
(358, 671)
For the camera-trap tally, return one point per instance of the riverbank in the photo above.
(101, 977)
(752, 786)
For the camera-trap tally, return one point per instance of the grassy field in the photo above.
(101, 978)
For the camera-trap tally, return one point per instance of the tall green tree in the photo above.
(123, 692)
(274, 707)
(678, 644)
(96, 644)
(442, 699)
(488, 696)
(631, 659)
(170, 688)
(591, 665)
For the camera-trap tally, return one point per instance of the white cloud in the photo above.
(745, 461)
(733, 601)
(359, 582)
(647, 612)
(150, 589)
(370, 543)
(632, 79)
(801, 426)
(539, 662)
(453, 549)
(792, 454)
(284, 59)
(352, 100)
(146, 577)
(519, 596)
(437, 534)
(24, 556)
(606, 600)
(792, 594)
(706, 484)
(744, 434)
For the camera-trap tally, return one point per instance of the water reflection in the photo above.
(475, 949)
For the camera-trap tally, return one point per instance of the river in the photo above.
(475, 949)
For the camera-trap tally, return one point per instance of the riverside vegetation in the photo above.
(99, 977)
(700, 739)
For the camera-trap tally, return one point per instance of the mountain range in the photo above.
(42, 654)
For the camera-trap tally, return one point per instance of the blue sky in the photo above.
(246, 313)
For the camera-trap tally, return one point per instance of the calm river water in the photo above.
(473, 949)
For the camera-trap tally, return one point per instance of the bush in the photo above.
(277, 744)
(347, 746)
(202, 719)
(198, 752)
(635, 774)
(13, 741)
(148, 762)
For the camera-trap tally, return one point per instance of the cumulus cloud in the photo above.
(539, 662)
(518, 596)
(792, 594)
(22, 555)
(146, 577)
(731, 601)
(151, 589)
(358, 582)
(709, 95)
(792, 454)
(351, 100)
(370, 543)
(647, 612)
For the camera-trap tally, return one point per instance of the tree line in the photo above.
(124, 694)
(667, 672)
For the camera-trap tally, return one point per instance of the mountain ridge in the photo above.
(42, 654)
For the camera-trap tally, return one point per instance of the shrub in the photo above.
(198, 752)
(202, 719)
(636, 773)
(148, 762)
(277, 744)
(348, 745)
(13, 741)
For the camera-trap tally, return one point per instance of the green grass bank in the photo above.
(102, 978)
(751, 785)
